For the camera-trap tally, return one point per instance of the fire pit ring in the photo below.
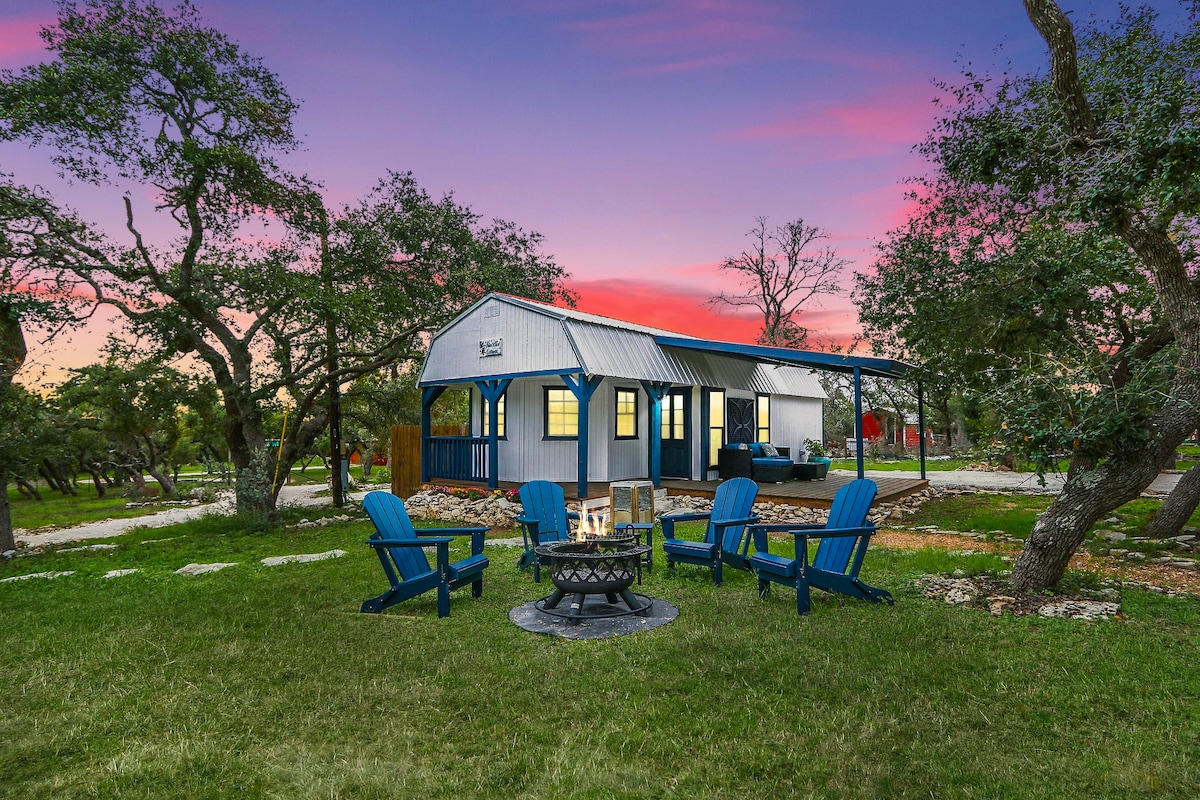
(599, 566)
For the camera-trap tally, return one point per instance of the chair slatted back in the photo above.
(850, 507)
(545, 502)
(734, 500)
(391, 521)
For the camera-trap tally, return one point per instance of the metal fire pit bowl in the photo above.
(602, 566)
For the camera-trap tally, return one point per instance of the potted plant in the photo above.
(818, 455)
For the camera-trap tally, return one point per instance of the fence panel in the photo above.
(406, 455)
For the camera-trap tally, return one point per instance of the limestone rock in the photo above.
(200, 569)
(62, 574)
(302, 558)
(118, 573)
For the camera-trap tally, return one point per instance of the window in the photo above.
(627, 414)
(562, 413)
(716, 424)
(762, 416)
(672, 418)
(501, 429)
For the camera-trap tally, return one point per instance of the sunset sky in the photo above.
(641, 138)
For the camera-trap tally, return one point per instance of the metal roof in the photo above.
(614, 348)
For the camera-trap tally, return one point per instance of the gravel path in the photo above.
(289, 495)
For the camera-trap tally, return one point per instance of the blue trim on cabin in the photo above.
(542, 373)
(877, 367)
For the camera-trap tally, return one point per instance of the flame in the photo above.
(592, 521)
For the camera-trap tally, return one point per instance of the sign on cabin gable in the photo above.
(490, 347)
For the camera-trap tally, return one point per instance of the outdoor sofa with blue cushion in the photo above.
(762, 462)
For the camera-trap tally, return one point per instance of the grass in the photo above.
(904, 465)
(266, 682)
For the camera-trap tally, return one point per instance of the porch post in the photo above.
(858, 417)
(491, 391)
(428, 395)
(656, 391)
(582, 387)
(921, 423)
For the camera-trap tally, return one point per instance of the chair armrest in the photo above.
(725, 523)
(668, 522)
(830, 533)
(452, 531)
(527, 520)
(573, 515)
(690, 517)
(477, 534)
(426, 542)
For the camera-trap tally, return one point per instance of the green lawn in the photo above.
(904, 465)
(1014, 514)
(266, 682)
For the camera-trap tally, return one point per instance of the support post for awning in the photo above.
(656, 391)
(921, 423)
(491, 391)
(582, 386)
(858, 426)
(428, 395)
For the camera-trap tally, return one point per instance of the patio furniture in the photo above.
(844, 541)
(810, 471)
(399, 547)
(755, 460)
(545, 520)
(725, 540)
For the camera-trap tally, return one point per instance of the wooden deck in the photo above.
(813, 494)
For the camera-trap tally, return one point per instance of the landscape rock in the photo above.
(89, 547)
(1080, 609)
(302, 558)
(62, 574)
(200, 569)
(117, 573)
(1111, 536)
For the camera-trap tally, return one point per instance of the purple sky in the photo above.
(640, 137)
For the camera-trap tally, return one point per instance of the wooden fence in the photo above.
(406, 454)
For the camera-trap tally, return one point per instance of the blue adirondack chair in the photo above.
(398, 545)
(545, 519)
(725, 540)
(834, 568)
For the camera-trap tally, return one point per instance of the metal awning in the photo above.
(833, 362)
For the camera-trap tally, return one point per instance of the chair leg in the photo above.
(803, 598)
(443, 599)
(718, 575)
(537, 569)
(764, 588)
(477, 588)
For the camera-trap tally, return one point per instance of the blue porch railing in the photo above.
(459, 458)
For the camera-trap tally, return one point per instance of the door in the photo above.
(676, 452)
(740, 418)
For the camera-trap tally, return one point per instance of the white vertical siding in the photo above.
(794, 419)
(627, 457)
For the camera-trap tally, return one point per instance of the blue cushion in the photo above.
(777, 461)
(756, 449)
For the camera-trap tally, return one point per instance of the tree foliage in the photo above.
(1052, 262)
(272, 292)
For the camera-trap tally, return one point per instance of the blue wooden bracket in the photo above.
(492, 391)
(656, 391)
(583, 387)
(429, 394)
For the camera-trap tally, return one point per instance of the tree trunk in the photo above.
(1092, 492)
(28, 489)
(1178, 508)
(97, 481)
(7, 540)
(165, 483)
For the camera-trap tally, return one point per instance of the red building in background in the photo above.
(886, 428)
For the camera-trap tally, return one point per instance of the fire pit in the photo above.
(600, 565)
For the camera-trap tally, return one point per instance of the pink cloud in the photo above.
(19, 39)
(896, 115)
(685, 310)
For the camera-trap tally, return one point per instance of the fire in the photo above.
(592, 521)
